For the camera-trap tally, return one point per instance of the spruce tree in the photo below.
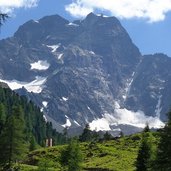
(12, 144)
(86, 135)
(71, 157)
(32, 144)
(2, 116)
(107, 136)
(65, 134)
(143, 161)
(146, 129)
(163, 159)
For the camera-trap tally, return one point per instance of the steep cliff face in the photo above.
(150, 87)
(88, 71)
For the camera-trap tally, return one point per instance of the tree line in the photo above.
(22, 128)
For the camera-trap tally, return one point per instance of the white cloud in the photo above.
(152, 10)
(7, 6)
(78, 9)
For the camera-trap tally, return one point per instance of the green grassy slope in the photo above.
(113, 155)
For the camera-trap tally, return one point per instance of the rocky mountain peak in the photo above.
(54, 20)
(37, 31)
(87, 71)
(92, 19)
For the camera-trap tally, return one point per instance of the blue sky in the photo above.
(148, 22)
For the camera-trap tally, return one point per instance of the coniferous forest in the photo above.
(22, 128)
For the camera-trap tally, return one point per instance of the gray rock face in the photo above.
(87, 71)
(3, 85)
(150, 88)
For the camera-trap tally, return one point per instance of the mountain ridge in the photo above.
(87, 71)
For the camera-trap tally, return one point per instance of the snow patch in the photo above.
(162, 81)
(137, 119)
(35, 86)
(65, 98)
(100, 124)
(45, 118)
(36, 21)
(68, 123)
(91, 52)
(126, 117)
(153, 95)
(77, 123)
(53, 47)
(158, 107)
(66, 116)
(44, 103)
(88, 108)
(73, 24)
(101, 15)
(117, 106)
(40, 65)
(60, 56)
(128, 86)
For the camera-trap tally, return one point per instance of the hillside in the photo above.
(114, 155)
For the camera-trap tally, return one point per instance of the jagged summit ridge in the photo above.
(86, 71)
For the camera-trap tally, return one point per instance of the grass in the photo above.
(113, 155)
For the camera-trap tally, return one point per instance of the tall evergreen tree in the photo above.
(12, 143)
(163, 160)
(107, 136)
(86, 135)
(143, 161)
(2, 116)
(146, 129)
(32, 144)
(65, 134)
(71, 157)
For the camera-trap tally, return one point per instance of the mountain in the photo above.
(87, 71)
